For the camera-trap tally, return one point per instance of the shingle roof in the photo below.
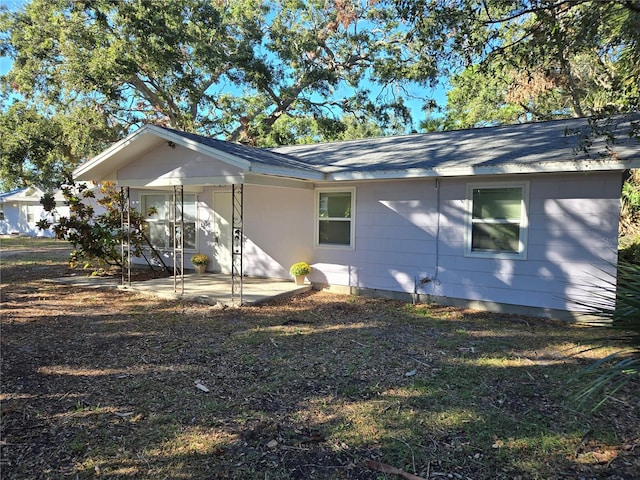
(526, 146)
(254, 155)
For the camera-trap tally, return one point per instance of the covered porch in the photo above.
(197, 187)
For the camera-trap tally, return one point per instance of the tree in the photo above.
(43, 150)
(29, 147)
(477, 98)
(98, 238)
(534, 59)
(231, 69)
(629, 249)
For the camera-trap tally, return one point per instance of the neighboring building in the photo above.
(506, 218)
(21, 210)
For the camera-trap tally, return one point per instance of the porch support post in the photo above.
(125, 242)
(237, 200)
(178, 239)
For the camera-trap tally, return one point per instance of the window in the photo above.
(30, 213)
(1, 212)
(335, 218)
(497, 224)
(160, 224)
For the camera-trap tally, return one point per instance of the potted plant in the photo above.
(200, 262)
(300, 270)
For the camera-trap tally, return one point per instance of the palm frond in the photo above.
(616, 306)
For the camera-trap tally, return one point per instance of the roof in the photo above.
(525, 148)
(248, 159)
(26, 194)
(552, 146)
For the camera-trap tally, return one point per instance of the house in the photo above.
(21, 210)
(511, 218)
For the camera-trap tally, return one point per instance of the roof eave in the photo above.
(471, 170)
(207, 150)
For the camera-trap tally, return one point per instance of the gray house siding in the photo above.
(399, 242)
(278, 227)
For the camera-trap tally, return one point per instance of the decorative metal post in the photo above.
(125, 244)
(237, 199)
(178, 239)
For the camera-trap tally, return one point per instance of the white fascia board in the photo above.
(506, 169)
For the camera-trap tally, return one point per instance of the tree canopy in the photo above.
(245, 71)
(288, 71)
(515, 61)
(43, 150)
(229, 68)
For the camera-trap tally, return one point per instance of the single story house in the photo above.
(21, 210)
(511, 218)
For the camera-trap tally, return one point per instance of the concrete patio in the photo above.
(210, 289)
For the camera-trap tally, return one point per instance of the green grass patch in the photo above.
(19, 243)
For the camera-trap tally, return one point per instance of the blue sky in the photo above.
(5, 65)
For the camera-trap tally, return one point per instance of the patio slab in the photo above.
(210, 289)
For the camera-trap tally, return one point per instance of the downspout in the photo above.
(419, 281)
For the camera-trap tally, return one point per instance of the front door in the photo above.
(222, 211)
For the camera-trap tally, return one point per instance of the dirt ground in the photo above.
(110, 384)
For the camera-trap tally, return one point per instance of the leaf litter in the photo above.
(109, 384)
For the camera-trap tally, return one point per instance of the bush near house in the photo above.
(629, 246)
(621, 312)
(97, 239)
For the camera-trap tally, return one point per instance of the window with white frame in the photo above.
(158, 212)
(335, 226)
(1, 212)
(497, 220)
(29, 212)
